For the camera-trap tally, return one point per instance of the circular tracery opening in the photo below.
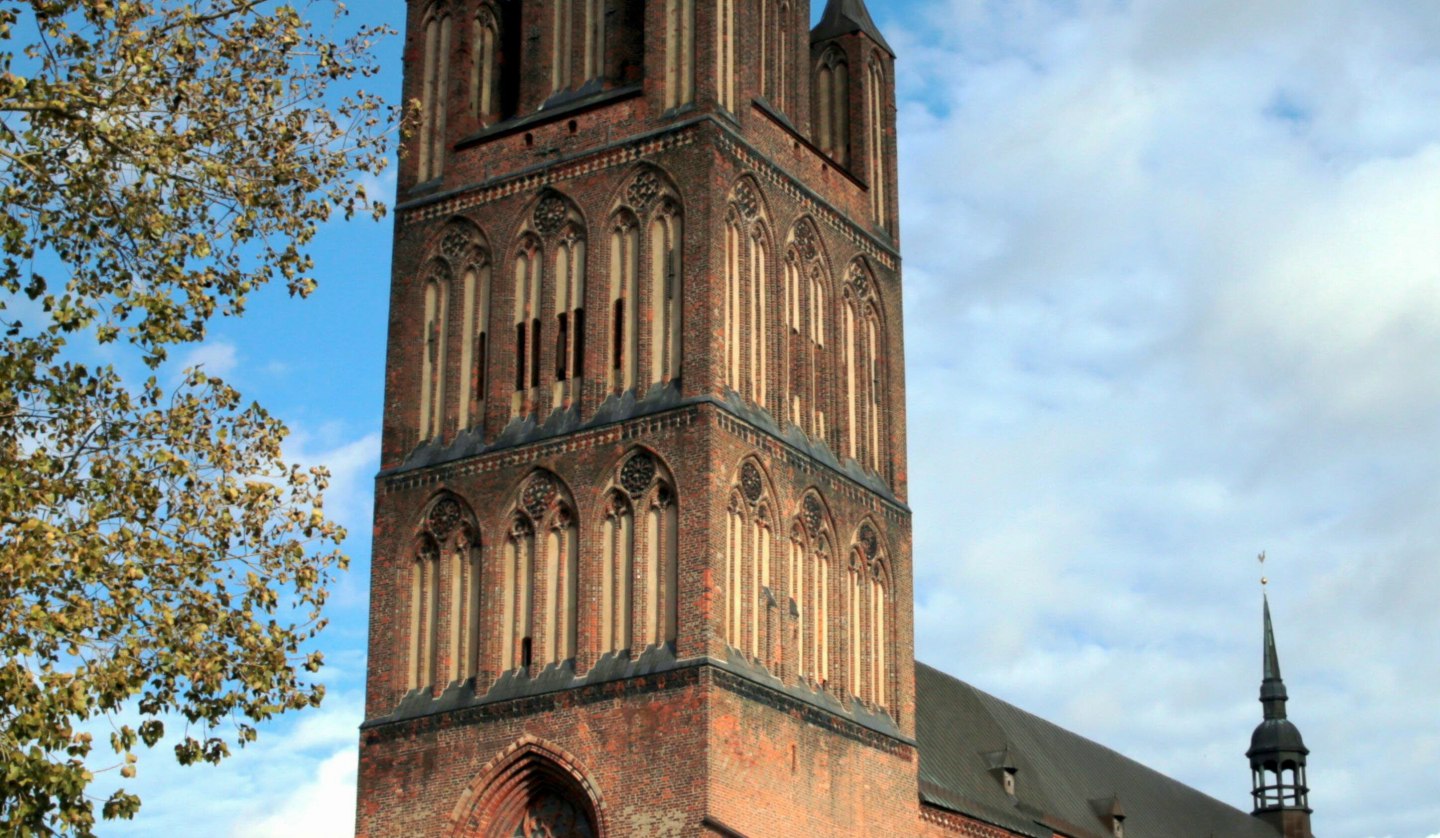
(550, 814)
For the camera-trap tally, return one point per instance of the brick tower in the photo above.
(642, 554)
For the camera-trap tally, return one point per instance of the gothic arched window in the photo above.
(832, 105)
(434, 93)
(436, 341)
(485, 71)
(424, 618)
(679, 53)
(725, 72)
(561, 43)
(747, 295)
(540, 613)
(875, 144)
(748, 545)
(551, 815)
(624, 301)
(645, 316)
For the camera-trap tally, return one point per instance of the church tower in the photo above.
(642, 554)
(1277, 754)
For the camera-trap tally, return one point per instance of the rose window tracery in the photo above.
(811, 513)
(860, 281)
(537, 495)
(747, 201)
(455, 246)
(444, 517)
(637, 474)
(550, 215)
(805, 242)
(551, 816)
(869, 541)
(643, 191)
(750, 482)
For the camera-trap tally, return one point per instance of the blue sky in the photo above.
(1172, 298)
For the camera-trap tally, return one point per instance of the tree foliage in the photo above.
(160, 160)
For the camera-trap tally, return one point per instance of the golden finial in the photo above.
(1263, 581)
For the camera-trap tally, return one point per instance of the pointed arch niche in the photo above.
(832, 105)
(806, 362)
(647, 274)
(748, 298)
(811, 538)
(750, 603)
(865, 374)
(869, 617)
(532, 789)
(549, 269)
(455, 342)
(435, 82)
(640, 571)
(444, 596)
(539, 610)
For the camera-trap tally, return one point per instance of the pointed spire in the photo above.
(1272, 687)
(843, 17)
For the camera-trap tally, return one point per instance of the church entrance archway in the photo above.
(532, 790)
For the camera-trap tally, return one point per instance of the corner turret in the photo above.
(1277, 753)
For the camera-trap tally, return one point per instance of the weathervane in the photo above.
(1263, 580)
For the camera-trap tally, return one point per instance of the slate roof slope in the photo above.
(1062, 779)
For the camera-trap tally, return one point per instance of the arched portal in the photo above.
(532, 790)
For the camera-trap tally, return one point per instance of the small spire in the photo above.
(843, 17)
(1272, 687)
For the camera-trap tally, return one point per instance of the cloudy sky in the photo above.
(1172, 298)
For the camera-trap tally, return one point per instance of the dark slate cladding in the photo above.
(1061, 777)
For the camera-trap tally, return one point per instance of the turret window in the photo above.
(434, 94)
(725, 71)
(832, 106)
(679, 52)
(485, 72)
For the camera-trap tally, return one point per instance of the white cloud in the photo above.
(324, 807)
(218, 357)
(1173, 297)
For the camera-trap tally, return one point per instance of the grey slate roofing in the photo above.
(842, 17)
(1064, 782)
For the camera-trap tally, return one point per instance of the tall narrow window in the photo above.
(818, 370)
(569, 313)
(617, 575)
(762, 55)
(679, 53)
(879, 617)
(434, 95)
(795, 578)
(734, 574)
(666, 275)
(485, 73)
(516, 619)
(594, 39)
(527, 319)
(872, 376)
(561, 44)
(424, 616)
(854, 634)
(725, 54)
(784, 53)
(478, 370)
(832, 106)
(852, 416)
(624, 291)
(875, 119)
(472, 654)
(733, 344)
(436, 340)
(759, 581)
(562, 567)
(757, 272)
(792, 363)
(820, 636)
(661, 566)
